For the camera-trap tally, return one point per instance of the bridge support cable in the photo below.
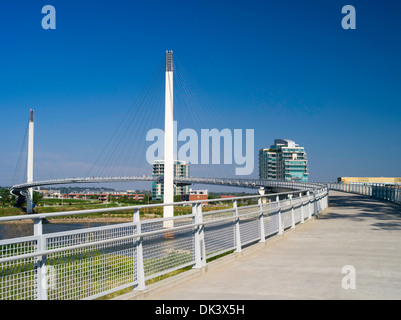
(124, 152)
(195, 110)
(21, 164)
(20, 171)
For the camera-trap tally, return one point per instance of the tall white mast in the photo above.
(168, 193)
(29, 175)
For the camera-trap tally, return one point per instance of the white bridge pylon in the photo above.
(168, 184)
(29, 175)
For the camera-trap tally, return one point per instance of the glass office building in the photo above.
(284, 160)
(181, 169)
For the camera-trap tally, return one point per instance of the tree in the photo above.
(37, 197)
(5, 197)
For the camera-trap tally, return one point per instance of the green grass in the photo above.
(151, 212)
(81, 274)
(94, 268)
(90, 272)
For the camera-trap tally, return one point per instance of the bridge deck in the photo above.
(306, 263)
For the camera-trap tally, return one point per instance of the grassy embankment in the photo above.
(55, 205)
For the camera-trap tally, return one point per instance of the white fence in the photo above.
(92, 262)
(380, 191)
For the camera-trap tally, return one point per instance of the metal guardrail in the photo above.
(92, 262)
(376, 190)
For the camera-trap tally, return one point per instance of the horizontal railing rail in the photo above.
(93, 262)
(377, 190)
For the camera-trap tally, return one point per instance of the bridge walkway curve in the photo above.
(307, 262)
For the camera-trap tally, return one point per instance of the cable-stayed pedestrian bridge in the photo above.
(234, 182)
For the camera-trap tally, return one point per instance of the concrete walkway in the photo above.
(306, 263)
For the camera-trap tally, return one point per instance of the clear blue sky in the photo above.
(284, 68)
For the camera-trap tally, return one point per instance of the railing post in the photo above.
(140, 270)
(261, 222)
(321, 202)
(40, 261)
(237, 228)
(315, 205)
(302, 208)
(292, 212)
(280, 221)
(309, 206)
(200, 256)
(326, 198)
(322, 199)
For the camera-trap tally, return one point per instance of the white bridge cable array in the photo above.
(126, 146)
(125, 152)
(197, 111)
(20, 170)
(123, 157)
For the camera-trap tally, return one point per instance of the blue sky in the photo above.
(285, 68)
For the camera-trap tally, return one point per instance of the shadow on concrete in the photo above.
(385, 214)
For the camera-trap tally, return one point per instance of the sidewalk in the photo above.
(306, 263)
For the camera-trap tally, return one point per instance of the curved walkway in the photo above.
(306, 263)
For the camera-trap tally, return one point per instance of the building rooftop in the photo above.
(285, 142)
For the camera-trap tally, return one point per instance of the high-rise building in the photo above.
(285, 160)
(181, 169)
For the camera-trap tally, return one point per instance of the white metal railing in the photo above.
(376, 190)
(92, 262)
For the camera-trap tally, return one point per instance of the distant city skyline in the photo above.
(288, 70)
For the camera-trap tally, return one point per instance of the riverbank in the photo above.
(99, 219)
(83, 219)
(105, 217)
